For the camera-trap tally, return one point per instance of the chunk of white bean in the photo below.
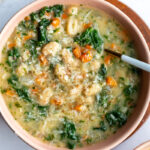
(45, 96)
(92, 89)
(72, 26)
(72, 10)
(51, 48)
(60, 72)
(68, 58)
(22, 69)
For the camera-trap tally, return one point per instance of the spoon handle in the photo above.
(135, 62)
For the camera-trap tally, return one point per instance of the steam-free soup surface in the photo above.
(58, 82)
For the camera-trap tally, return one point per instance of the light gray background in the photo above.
(8, 140)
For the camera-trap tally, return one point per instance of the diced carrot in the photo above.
(55, 22)
(43, 60)
(113, 46)
(64, 16)
(86, 57)
(55, 101)
(77, 52)
(107, 59)
(27, 18)
(88, 46)
(78, 108)
(47, 13)
(39, 79)
(111, 81)
(87, 25)
(10, 93)
(27, 37)
(35, 90)
(103, 117)
(11, 45)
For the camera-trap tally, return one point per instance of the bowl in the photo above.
(143, 54)
(143, 146)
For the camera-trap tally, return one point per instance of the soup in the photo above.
(58, 82)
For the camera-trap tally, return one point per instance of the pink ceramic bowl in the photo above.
(143, 146)
(143, 53)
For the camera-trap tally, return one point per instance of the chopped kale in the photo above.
(102, 127)
(68, 133)
(13, 56)
(90, 36)
(69, 130)
(43, 110)
(102, 98)
(116, 118)
(13, 81)
(57, 9)
(34, 16)
(31, 45)
(129, 90)
(49, 137)
(102, 72)
(22, 91)
(42, 29)
(71, 145)
(29, 116)
(44, 10)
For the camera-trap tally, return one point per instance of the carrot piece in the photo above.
(10, 93)
(86, 57)
(43, 60)
(55, 22)
(77, 52)
(64, 16)
(11, 45)
(39, 79)
(111, 81)
(27, 37)
(55, 101)
(113, 46)
(88, 46)
(47, 13)
(107, 59)
(79, 108)
(27, 18)
(87, 25)
(35, 90)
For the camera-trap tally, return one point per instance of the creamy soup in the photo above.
(58, 82)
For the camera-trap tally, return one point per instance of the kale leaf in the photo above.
(102, 127)
(90, 36)
(13, 56)
(31, 45)
(43, 110)
(58, 10)
(42, 29)
(129, 90)
(116, 118)
(22, 91)
(102, 72)
(102, 98)
(69, 133)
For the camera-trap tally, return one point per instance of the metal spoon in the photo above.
(137, 63)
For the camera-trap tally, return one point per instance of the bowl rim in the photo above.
(18, 129)
(142, 146)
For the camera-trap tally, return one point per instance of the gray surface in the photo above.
(8, 140)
